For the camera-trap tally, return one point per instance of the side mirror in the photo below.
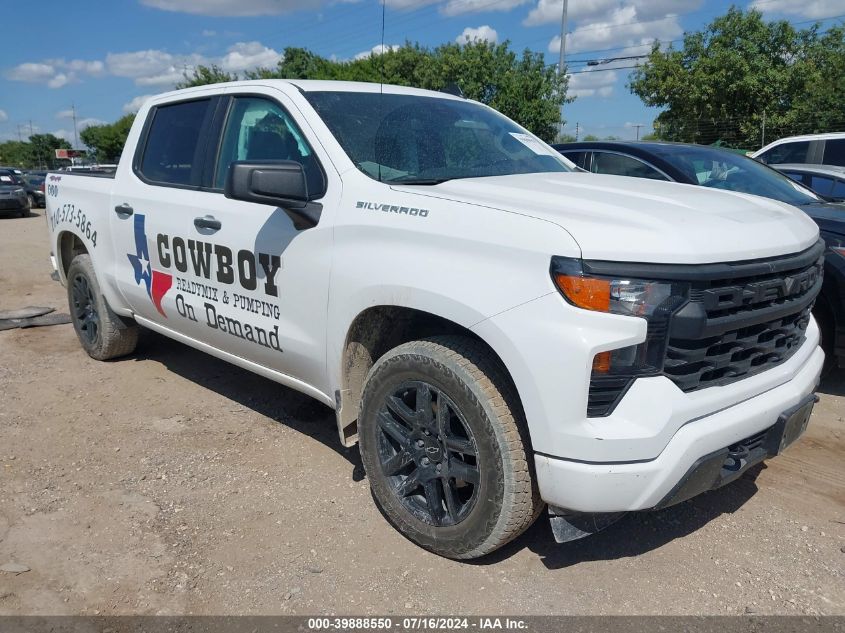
(280, 183)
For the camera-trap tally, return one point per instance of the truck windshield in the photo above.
(427, 140)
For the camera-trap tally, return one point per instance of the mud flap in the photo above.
(568, 526)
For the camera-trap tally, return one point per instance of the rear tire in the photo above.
(102, 333)
(444, 444)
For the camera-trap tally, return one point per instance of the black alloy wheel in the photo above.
(85, 312)
(428, 454)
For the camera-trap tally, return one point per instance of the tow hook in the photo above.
(572, 526)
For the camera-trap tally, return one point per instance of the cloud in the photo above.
(31, 72)
(136, 103)
(548, 11)
(456, 7)
(378, 49)
(208, 33)
(149, 67)
(3, 116)
(81, 124)
(459, 7)
(229, 8)
(61, 79)
(55, 72)
(590, 84)
(152, 67)
(810, 9)
(160, 68)
(482, 33)
(621, 28)
(245, 55)
(403, 5)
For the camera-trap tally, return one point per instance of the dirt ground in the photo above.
(173, 483)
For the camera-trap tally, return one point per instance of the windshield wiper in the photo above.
(416, 181)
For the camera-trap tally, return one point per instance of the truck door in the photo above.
(157, 191)
(271, 279)
(242, 277)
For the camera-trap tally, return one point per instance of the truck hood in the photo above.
(630, 219)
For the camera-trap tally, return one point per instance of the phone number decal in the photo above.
(68, 214)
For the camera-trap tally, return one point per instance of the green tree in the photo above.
(522, 86)
(107, 140)
(821, 104)
(202, 75)
(38, 151)
(42, 149)
(740, 71)
(14, 154)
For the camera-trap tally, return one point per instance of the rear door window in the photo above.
(797, 177)
(173, 150)
(822, 185)
(579, 158)
(792, 152)
(834, 152)
(622, 165)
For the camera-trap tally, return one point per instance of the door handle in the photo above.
(207, 222)
(124, 210)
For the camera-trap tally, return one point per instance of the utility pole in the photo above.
(75, 132)
(562, 53)
(562, 37)
(763, 135)
(577, 131)
(20, 138)
(638, 126)
(31, 133)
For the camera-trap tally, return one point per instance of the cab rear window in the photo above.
(172, 152)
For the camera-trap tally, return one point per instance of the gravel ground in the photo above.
(171, 483)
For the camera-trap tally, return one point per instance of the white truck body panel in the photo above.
(478, 258)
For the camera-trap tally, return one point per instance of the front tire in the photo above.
(102, 333)
(444, 444)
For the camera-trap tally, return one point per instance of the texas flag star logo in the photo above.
(157, 283)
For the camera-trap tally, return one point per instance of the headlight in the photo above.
(19, 192)
(653, 300)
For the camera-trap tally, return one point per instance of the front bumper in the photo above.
(13, 204)
(702, 443)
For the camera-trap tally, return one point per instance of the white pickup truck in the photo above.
(499, 333)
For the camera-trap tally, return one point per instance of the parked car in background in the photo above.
(34, 186)
(815, 149)
(14, 177)
(721, 169)
(13, 198)
(826, 180)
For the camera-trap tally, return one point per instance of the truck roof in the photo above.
(315, 85)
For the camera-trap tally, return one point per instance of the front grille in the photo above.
(742, 318)
(735, 328)
(698, 363)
